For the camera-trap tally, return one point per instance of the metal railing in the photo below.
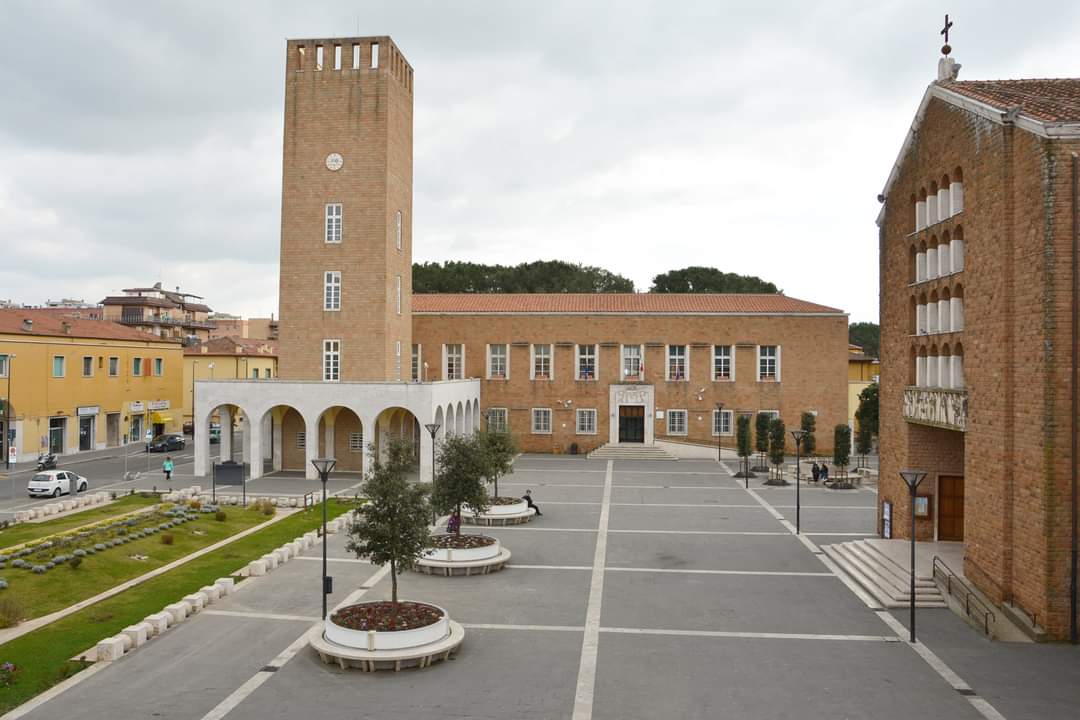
(959, 589)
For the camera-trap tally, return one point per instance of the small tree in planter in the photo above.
(392, 527)
(841, 455)
(499, 449)
(809, 426)
(777, 441)
(864, 440)
(460, 480)
(761, 438)
(745, 445)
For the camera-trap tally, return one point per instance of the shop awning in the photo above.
(160, 418)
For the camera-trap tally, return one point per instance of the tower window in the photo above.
(416, 362)
(333, 222)
(331, 360)
(319, 51)
(397, 293)
(332, 290)
(397, 230)
(374, 55)
(356, 57)
(397, 359)
(337, 57)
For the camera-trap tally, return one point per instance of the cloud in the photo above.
(142, 141)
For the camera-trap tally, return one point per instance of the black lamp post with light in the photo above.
(912, 478)
(433, 428)
(324, 466)
(798, 435)
(719, 427)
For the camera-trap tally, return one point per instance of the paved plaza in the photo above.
(647, 590)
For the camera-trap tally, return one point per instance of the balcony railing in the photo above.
(132, 319)
(938, 407)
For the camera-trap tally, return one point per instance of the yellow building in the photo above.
(76, 384)
(863, 371)
(227, 357)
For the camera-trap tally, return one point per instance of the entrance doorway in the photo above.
(112, 429)
(136, 428)
(86, 434)
(951, 507)
(57, 431)
(631, 423)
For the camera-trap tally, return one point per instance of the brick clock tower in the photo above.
(346, 211)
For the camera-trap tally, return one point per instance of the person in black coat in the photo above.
(815, 472)
(527, 497)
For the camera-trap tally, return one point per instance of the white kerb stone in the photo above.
(271, 561)
(22, 515)
(292, 502)
(110, 649)
(159, 622)
(212, 593)
(225, 585)
(283, 554)
(197, 601)
(179, 611)
(256, 568)
(137, 633)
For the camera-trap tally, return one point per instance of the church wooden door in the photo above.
(631, 423)
(951, 507)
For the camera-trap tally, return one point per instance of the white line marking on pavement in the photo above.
(525, 528)
(493, 626)
(590, 644)
(330, 559)
(752, 635)
(261, 616)
(676, 571)
(549, 567)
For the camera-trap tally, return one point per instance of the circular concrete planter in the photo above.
(388, 640)
(496, 510)
(464, 554)
(464, 561)
(515, 514)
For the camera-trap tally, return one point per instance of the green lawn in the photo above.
(63, 586)
(43, 656)
(24, 532)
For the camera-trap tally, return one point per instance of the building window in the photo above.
(586, 362)
(541, 364)
(541, 421)
(632, 366)
(586, 421)
(454, 361)
(87, 366)
(332, 290)
(301, 440)
(114, 366)
(397, 360)
(136, 366)
(497, 420)
(255, 374)
(58, 366)
(723, 368)
(356, 442)
(267, 374)
(768, 363)
(333, 222)
(677, 362)
(3, 366)
(159, 367)
(415, 372)
(397, 294)
(676, 422)
(331, 355)
(721, 422)
(497, 365)
(774, 414)
(397, 230)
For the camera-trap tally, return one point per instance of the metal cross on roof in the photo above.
(946, 49)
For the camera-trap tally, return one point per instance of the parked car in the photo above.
(169, 442)
(55, 483)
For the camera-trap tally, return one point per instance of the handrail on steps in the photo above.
(950, 578)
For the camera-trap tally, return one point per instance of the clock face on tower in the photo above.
(334, 161)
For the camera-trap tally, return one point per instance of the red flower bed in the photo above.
(451, 541)
(381, 616)
(503, 500)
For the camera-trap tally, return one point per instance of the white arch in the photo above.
(459, 420)
(468, 418)
(476, 414)
(450, 425)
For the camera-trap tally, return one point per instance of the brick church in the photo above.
(978, 253)
(361, 359)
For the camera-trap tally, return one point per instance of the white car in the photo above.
(55, 483)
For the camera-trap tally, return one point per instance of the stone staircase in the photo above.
(630, 451)
(888, 582)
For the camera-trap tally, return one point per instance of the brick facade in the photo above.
(1015, 340)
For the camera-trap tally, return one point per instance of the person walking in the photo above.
(527, 497)
(815, 472)
(824, 473)
(167, 467)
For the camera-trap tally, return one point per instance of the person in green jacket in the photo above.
(167, 466)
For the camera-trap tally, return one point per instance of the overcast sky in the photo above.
(142, 141)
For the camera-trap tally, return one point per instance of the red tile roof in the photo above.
(48, 323)
(1048, 100)
(621, 303)
(230, 345)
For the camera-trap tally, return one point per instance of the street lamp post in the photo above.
(798, 435)
(194, 370)
(324, 466)
(912, 478)
(720, 422)
(7, 413)
(433, 428)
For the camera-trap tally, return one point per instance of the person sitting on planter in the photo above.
(527, 497)
(453, 523)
